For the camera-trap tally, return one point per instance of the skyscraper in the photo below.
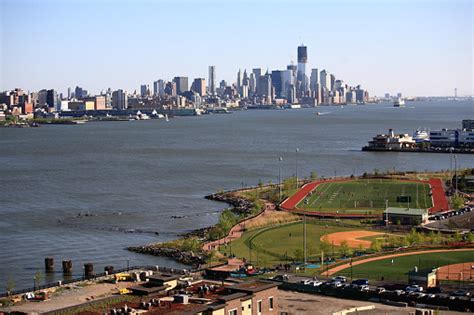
(181, 84)
(302, 61)
(212, 80)
(143, 90)
(314, 80)
(199, 86)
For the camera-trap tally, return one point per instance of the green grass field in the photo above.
(363, 196)
(398, 271)
(268, 246)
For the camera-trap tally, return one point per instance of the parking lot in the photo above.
(362, 289)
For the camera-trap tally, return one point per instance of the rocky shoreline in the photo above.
(184, 257)
(238, 205)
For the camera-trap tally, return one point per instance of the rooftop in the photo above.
(407, 211)
(254, 285)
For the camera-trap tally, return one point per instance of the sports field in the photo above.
(361, 196)
(398, 270)
(278, 244)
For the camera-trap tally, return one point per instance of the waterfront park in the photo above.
(337, 222)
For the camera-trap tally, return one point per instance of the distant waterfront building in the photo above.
(155, 88)
(79, 92)
(468, 124)
(452, 138)
(52, 99)
(181, 84)
(199, 86)
(120, 99)
(257, 72)
(212, 80)
(252, 84)
(68, 93)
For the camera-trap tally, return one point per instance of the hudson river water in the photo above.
(131, 177)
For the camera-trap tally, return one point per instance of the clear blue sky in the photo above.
(412, 46)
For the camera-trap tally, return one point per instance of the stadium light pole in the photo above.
(451, 165)
(296, 163)
(386, 212)
(279, 178)
(304, 238)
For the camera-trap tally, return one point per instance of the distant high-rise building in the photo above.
(325, 78)
(302, 61)
(199, 86)
(181, 84)
(79, 93)
(120, 99)
(239, 82)
(155, 88)
(265, 88)
(170, 89)
(68, 93)
(314, 80)
(144, 90)
(52, 99)
(277, 82)
(257, 72)
(212, 80)
(333, 80)
(252, 84)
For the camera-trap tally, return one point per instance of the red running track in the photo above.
(440, 202)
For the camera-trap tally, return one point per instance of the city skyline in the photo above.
(89, 55)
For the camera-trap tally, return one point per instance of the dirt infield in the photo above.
(352, 238)
(363, 261)
(456, 272)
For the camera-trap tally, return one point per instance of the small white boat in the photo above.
(318, 114)
(399, 102)
(421, 136)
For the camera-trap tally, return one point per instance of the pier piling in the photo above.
(49, 264)
(88, 270)
(67, 266)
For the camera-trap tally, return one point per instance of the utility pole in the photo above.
(456, 174)
(386, 213)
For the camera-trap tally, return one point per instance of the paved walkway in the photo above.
(363, 261)
(237, 230)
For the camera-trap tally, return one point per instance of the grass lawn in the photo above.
(398, 271)
(275, 245)
(362, 196)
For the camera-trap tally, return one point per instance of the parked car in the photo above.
(364, 288)
(340, 279)
(380, 290)
(399, 292)
(315, 283)
(414, 288)
(305, 281)
(360, 282)
(460, 293)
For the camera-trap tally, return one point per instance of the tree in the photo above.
(298, 254)
(314, 175)
(414, 237)
(324, 247)
(376, 246)
(344, 248)
(470, 237)
(457, 201)
(10, 286)
(38, 277)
